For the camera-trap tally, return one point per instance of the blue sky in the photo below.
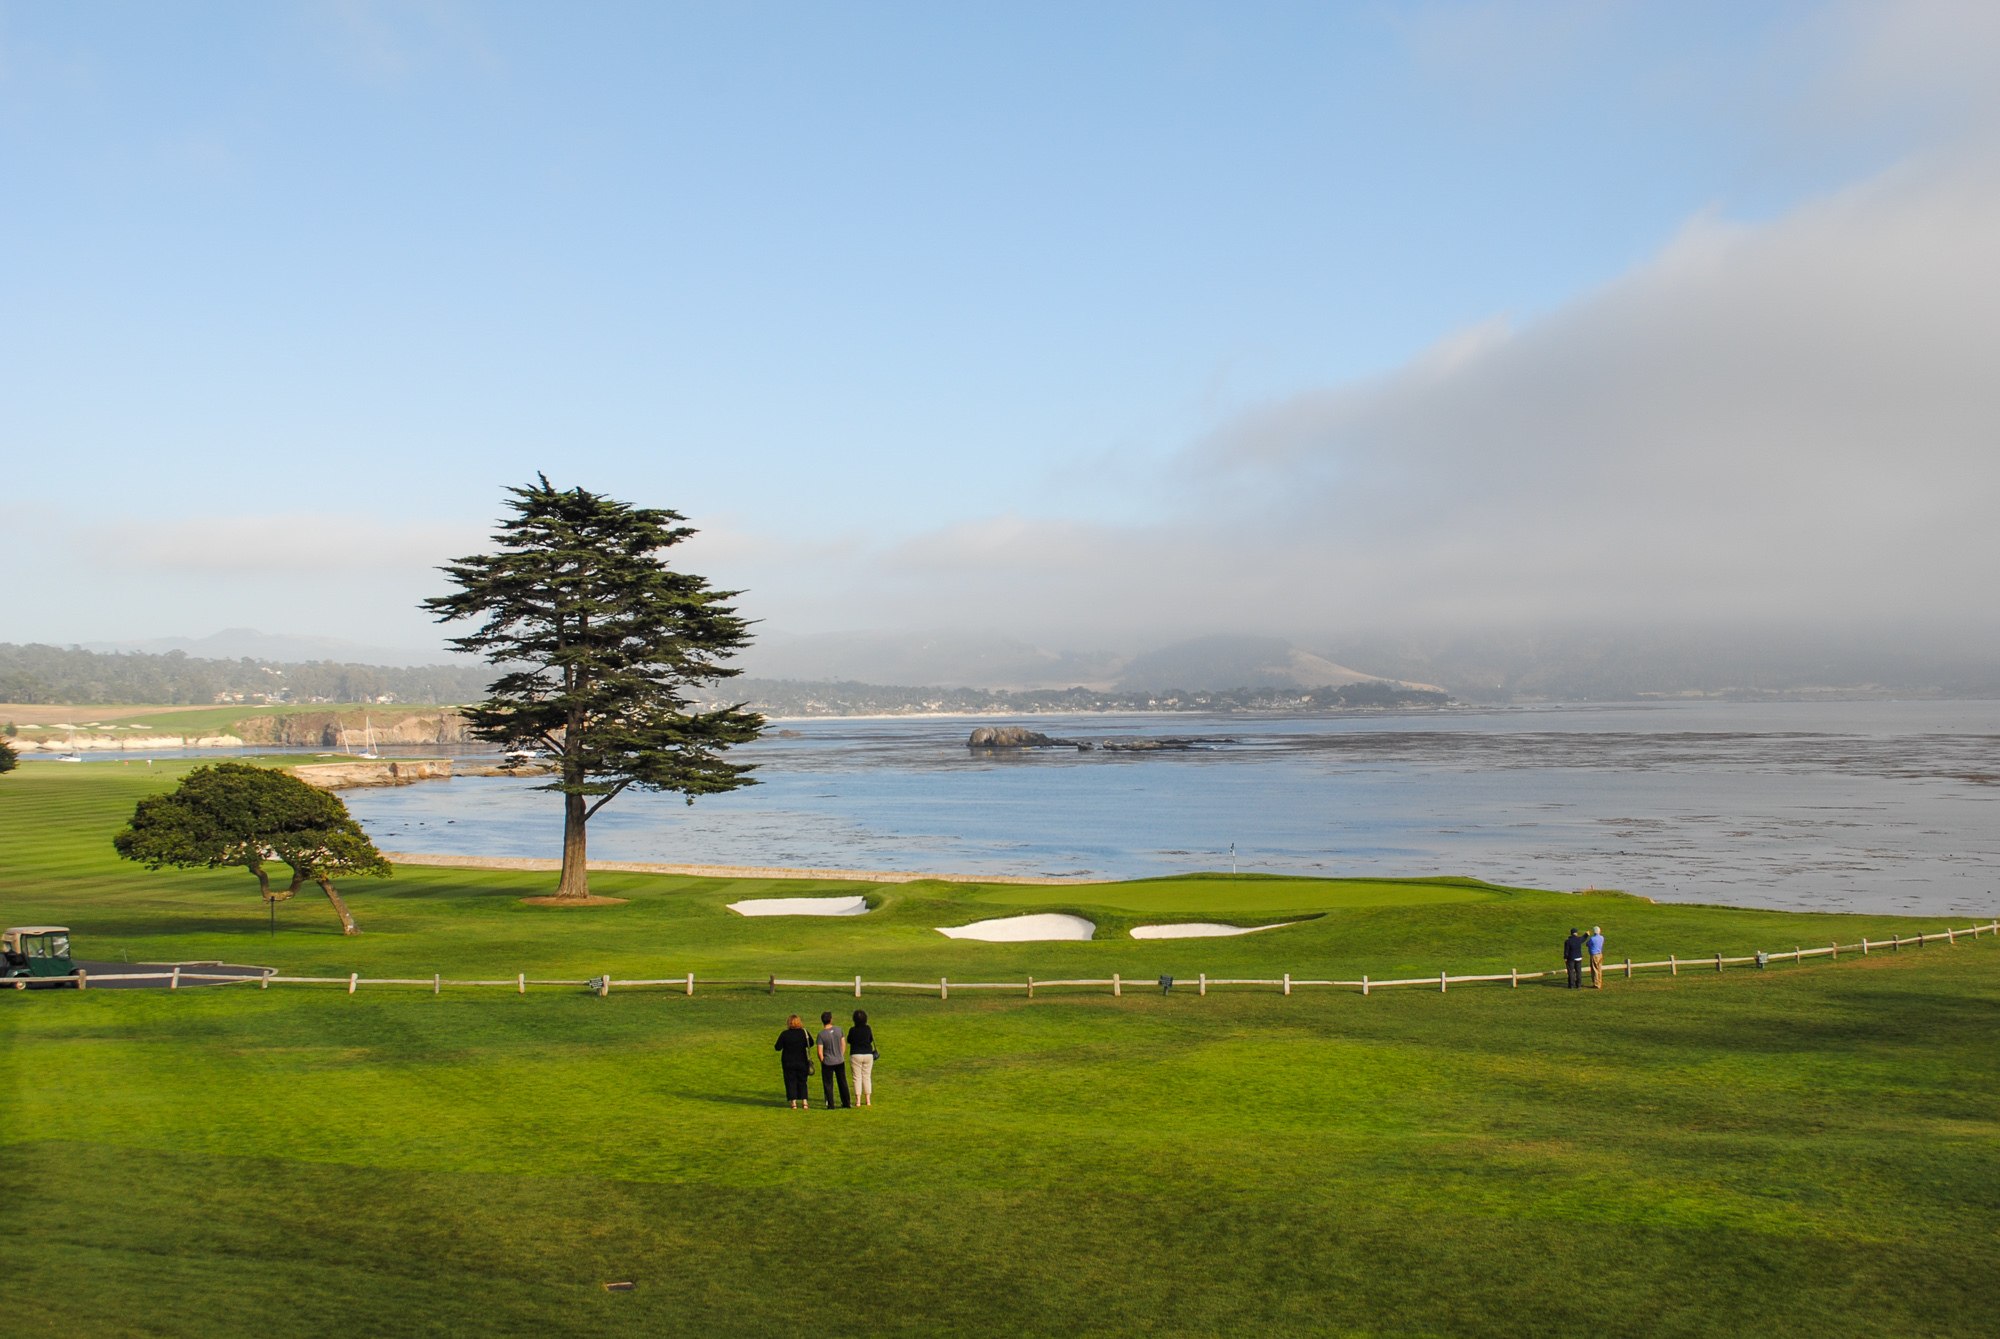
(873, 293)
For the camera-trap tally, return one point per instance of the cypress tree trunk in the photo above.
(347, 925)
(575, 882)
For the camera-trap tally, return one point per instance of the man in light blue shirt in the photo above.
(1595, 944)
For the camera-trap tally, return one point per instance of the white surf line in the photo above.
(1023, 929)
(1202, 930)
(801, 906)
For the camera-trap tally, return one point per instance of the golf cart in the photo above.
(28, 952)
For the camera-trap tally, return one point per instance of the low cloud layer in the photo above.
(1793, 422)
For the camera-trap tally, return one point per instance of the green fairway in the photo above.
(1801, 1150)
(1257, 896)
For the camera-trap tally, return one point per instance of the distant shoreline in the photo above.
(541, 865)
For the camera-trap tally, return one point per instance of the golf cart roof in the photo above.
(37, 930)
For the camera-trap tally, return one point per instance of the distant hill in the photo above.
(961, 659)
(35, 674)
(793, 697)
(1211, 664)
(278, 648)
(970, 660)
(1611, 665)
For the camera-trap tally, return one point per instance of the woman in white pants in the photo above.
(861, 1059)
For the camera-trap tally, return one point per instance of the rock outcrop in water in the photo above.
(1018, 737)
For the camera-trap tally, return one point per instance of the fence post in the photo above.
(1514, 979)
(353, 980)
(944, 989)
(1920, 941)
(604, 986)
(1836, 950)
(1951, 936)
(1864, 946)
(174, 982)
(1204, 983)
(1798, 953)
(774, 985)
(1673, 965)
(1628, 969)
(1364, 983)
(1117, 986)
(437, 983)
(266, 983)
(1440, 983)
(1031, 987)
(521, 984)
(1718, 962)
(1288, 983)
(857, 989)
(82, 978)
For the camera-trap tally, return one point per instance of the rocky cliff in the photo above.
(336, 729)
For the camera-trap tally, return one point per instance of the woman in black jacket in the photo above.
(861, 1059)
(794, 1048)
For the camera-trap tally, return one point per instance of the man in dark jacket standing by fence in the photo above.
(1573, 957)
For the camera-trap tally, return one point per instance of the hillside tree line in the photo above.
(37, 673)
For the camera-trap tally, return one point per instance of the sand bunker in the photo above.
(1202, 930)
(801, 906)
(1023, 929)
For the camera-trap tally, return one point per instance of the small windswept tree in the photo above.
(601, 643)
(9, 759)
(233, 814)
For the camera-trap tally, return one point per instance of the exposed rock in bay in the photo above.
(1018, 737)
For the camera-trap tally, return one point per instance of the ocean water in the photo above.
(1866, 806)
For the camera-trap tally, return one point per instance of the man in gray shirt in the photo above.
(832, 1048)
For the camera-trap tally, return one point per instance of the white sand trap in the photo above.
(1024, 929)
(801, 906)
(1203, 930)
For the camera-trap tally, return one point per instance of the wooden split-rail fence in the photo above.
(943, 986)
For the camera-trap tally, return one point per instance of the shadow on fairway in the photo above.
(734, 1100)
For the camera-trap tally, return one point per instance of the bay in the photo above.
(1856, 806)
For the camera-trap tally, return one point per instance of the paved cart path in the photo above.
(192, 974)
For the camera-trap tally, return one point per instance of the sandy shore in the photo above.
(718, 871)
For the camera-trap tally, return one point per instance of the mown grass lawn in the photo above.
(1799, 1150)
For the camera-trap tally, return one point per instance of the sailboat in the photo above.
(367, 749)
(72, 755)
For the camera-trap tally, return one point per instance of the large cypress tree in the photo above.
(601, 642)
